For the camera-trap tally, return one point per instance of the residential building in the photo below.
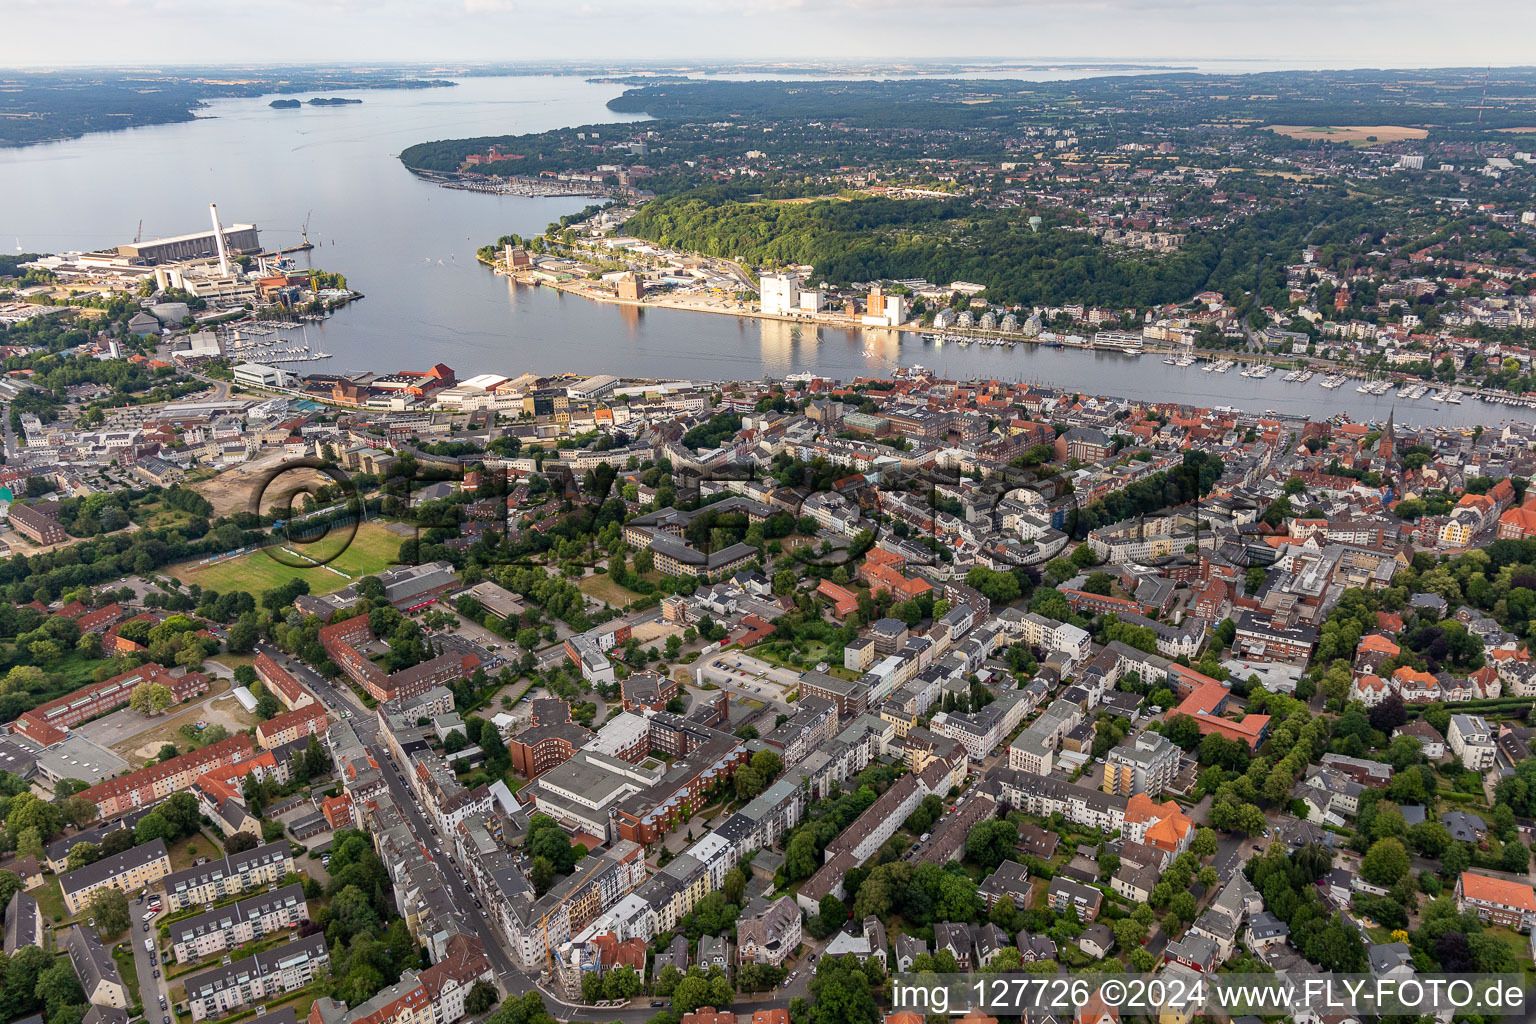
(1148, 764)
(237, 873)
(134, 868)
(1497, 900)
(1472, 742)
(94, 966)
(256, 979)
(248, 920)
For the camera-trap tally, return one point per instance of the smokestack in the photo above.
(218, 238)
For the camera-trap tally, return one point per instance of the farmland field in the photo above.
(373, 550)
(1358, 133)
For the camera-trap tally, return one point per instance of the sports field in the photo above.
(374, 549)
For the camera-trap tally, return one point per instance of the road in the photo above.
(511, 979)
(152, 989)
(339, 699)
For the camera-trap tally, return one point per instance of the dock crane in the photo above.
(304, 231)
(138, 236)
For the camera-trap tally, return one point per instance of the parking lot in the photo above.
(743, 673)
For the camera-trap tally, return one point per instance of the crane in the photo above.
(304, 231)
(138, 235)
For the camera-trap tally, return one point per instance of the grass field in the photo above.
(373, 550)
(128, 968)
(603, 588)
(1358, 133)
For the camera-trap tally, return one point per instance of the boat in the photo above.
(1306, 375)
(1439, 396)
(1454, 398)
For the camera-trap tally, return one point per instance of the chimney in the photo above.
(218, 239)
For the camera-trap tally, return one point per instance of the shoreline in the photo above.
(583, 288)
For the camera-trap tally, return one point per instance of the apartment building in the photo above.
(94, 966)
(1146, 765)
(308, 720)
(23, 923)
(134, 868)
(1497, 900)
(158, 781)
(282, 684)
(37, 526)
(237, 873)
(433, 996)
(1262, 638)
(255, 979)
(768, 935)
(551, 740)
(340, 640)
(1471, 741)
(248, 920)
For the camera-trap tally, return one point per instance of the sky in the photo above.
(1302, 33)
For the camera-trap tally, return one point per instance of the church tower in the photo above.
(1386, 449)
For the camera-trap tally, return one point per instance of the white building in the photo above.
(781, 294)
(1471, 741)
(259, 376)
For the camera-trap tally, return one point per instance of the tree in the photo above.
(542, 873)
(1129, 933)
(1182, 905)
(1385, 863)
(82, 854)
(182, 813)
(58, 989)
(27, 811)
(78, 811)
(151, 698)
(482, 996)
(735, 885)
(989, 843)
(767, 764)
(1204, 843)
(109, 906)
(151, 827)
(240, 842)
(800, 857)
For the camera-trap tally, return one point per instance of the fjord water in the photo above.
(409, 247)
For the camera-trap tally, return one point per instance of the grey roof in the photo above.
(109, 867)
(202, 874)
(1387, 955)
(259, 965)
(220, 918)
(1265, 925)
(93, 965)
(59, 848)
(22, 921)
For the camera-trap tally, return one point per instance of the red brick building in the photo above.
(48, 723)
(158, 781)
(292, 725)
(550, 741)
